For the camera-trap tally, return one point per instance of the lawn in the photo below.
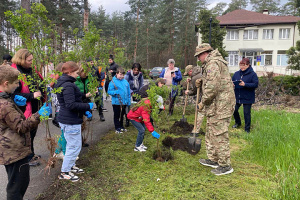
(265, 165)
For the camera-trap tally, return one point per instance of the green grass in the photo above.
(265, 166)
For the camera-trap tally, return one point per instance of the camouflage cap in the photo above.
(202, 48)
(187, 69)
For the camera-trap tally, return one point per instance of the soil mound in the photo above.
(181, 128)
(180, 143)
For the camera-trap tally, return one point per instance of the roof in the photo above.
(245, 17)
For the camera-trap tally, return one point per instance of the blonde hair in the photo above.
(8, 73)
(21, 56)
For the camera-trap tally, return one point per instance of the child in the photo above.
(119, 89)
(15, 145)
(70, 118)
(140, 118)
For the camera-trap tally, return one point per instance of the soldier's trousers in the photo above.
(18, 179)
(217, 140)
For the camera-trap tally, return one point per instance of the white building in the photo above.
(261, 37)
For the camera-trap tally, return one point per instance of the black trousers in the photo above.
(99, 102)
(247, 115)
(106, 85)
(32, 136)
(172, 101)
(18, 179)
(119, 115)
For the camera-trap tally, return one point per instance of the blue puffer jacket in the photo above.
(176, 80)
(122, 91)
(128, 77)
(245, 94)
(70, 100)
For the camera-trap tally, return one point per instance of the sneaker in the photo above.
(236, 126)
(222, 170)
(76, 170)
(119, 130)
(209, 163)
(104, 110)
(123, 130)
(102, 119)
(143, 146)
(36, 157)
(68, 176)
(140, 149)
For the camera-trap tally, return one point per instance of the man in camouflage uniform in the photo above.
(218, 102)
(194, 72)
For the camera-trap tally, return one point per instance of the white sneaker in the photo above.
(76, 170)
(68, 176)
(140, 149)
(143, 146)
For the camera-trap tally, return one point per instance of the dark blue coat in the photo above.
(245, 94)
(70, 100)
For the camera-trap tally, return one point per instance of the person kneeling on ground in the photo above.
(140, 118)
(15, 130)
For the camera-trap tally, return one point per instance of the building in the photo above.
(261, 37)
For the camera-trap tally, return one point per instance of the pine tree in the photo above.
(236, 5)
(260, 5)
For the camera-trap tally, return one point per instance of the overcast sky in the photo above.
(120, 5)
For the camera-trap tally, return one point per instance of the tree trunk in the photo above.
(86, 15)
(26, 5)
(136, 31)
(147, 48)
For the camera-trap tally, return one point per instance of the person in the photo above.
(69, 117)
(194, 72)
(143, 91)
(22, 61)
(111, 70)
(97, 72)
(7, 59)
(119, 90)
(139, 116)
(135, 79)
(15, 134)
(245, 82)
(173, 77)
(218, 104)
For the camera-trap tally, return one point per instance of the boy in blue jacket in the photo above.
(119, 90)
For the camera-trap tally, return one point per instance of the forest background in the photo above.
(150, 33)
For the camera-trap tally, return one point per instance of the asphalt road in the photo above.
(38, 180)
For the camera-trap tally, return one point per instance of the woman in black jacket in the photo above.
(245, 81)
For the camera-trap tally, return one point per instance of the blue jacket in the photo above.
(176, 80)
(122, 91)
(70, 100)
(128, 77)
(245, 94)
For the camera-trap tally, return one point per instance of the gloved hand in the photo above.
(44, 110)
(91, 105)
(155, 134)
(88, 114)
(198, 82)
(200, 106)
(100, 88)
(20, 101)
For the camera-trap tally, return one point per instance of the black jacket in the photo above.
(70, 100)
(113, 66)
(245, 94)
(143, 91)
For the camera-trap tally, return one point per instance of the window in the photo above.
(232, 35)
(251, 34)
(282, 58)
(266, 58)
(268, 34)
(233, 58)
(284, 33)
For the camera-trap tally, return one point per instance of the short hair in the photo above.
(69, 67)
(120, 70)
(59, 67)
(8, 73)
(137, 65)
(111, 56)
(245, 61)
(160, 80)
(171, 61)
(21, 56)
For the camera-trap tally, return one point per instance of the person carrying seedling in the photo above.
(139, 116)
(119, 90)
(218, 103)
(194, 72)
(15, 130)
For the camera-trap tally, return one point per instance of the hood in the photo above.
(196, 70)
(63, 79)
(215, 55)
(247, 71)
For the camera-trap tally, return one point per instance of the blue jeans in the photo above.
(141, 132)
(72, 135)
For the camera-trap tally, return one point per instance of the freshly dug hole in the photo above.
(165, 155)
(180, 143)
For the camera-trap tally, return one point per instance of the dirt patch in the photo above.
(181, 143)
(181, 128)
(163, 155)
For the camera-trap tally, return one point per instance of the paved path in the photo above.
(38, 181)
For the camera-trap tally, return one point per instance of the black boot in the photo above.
(102, 119)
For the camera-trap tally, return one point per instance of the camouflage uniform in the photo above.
(15, 131)
(218, 100)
